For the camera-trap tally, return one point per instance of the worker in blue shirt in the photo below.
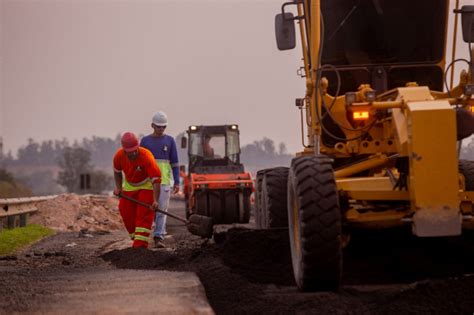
(164, 150)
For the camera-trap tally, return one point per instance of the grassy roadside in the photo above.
(12, 240)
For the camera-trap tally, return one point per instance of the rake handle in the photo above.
(151, 208)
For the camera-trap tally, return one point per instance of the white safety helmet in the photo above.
(160, 119)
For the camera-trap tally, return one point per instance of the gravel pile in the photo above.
(71, 212)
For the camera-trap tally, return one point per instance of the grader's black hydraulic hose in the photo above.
(328, 109)
(318, 86)
(447, 70)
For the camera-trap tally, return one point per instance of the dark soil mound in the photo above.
(396, 256)
(250, 273)
(260, 256)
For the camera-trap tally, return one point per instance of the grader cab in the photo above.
(216, 185)
(383, 128)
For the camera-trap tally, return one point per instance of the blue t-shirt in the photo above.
(166, 156)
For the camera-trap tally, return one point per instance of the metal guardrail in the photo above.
(12, 208)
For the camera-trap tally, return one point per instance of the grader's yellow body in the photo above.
(381, 146)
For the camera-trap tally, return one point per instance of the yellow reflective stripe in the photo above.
(146, 184)
(141, 238)
(165, 169)
(142, 230)
(132, 235)
(139, 183)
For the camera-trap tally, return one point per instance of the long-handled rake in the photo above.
(197, 224)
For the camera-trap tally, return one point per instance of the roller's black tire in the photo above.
(223, 206)
(232, 206)
(274, 198)
(246, 207)
(217, 212)
(201, 203)
(258, 199)
(314, 224)
(467, 169)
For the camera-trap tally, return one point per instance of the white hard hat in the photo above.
(160, 119)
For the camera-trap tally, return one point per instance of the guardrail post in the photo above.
(1, 225)
(23, 219)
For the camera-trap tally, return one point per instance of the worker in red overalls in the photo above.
(142, 181)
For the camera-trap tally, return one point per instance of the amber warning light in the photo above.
(360, 115)
(470, 104)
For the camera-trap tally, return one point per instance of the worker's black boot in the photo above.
(159, 243)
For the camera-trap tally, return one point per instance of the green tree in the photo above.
(73, 162)
(28, 155)
(40, 182)
(5, 176)
(9, 188)
(100, 182)
(268, 145)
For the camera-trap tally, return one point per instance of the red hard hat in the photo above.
(129, 142)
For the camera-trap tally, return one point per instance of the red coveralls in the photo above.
(140, 175)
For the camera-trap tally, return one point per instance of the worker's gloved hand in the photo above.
(117, 191)
(175, 189)
(154, 205)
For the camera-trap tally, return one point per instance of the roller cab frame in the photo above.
(216, 184)
(381, 123)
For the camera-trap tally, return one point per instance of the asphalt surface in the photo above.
(64, 274)
(244, 271)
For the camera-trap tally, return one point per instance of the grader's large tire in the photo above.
(274, 198)
(258, 199)
(246, 207)
(314, 224)
(467, 169)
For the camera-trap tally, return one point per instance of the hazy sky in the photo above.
(77, 68)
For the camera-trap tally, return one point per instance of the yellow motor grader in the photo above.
(381, 129)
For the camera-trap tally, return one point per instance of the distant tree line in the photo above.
(254, 156)
(263, 154)
(9, 188)
(48, 152)
(55, 166)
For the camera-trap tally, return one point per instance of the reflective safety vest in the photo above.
(165, 168)
(145, 184)
(140, 173)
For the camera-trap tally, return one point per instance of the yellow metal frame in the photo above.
(421, 127)
(371, 189)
